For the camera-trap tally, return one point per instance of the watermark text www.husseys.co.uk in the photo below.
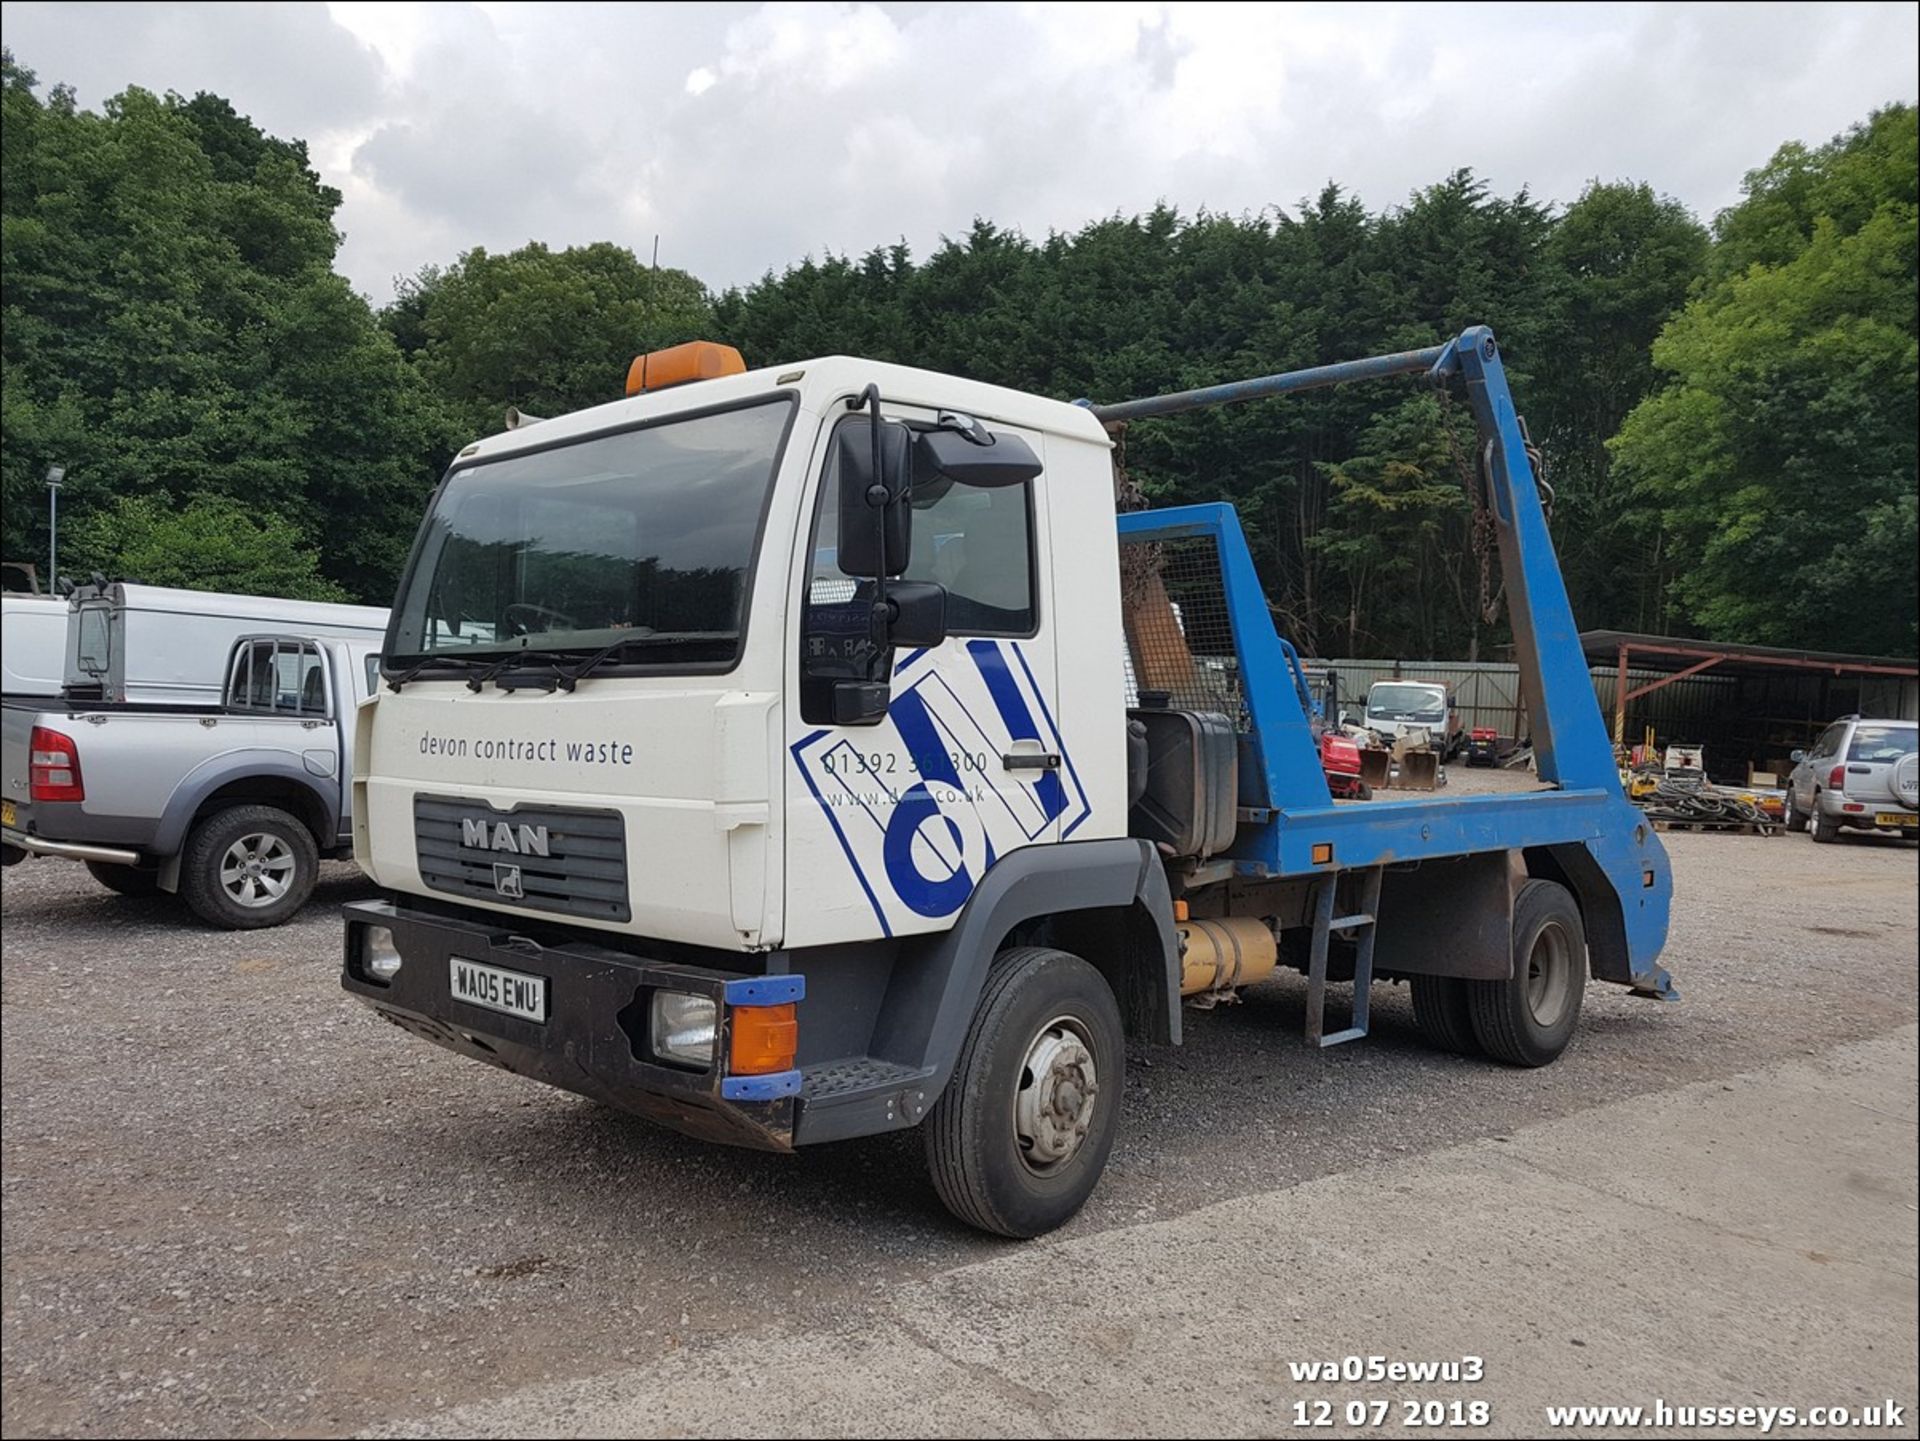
(1884, 1415)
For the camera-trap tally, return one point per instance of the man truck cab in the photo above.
(756, 754)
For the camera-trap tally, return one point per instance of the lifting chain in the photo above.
(1477, 482)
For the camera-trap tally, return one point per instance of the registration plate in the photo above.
(6, 813)
(1899, 820)
(512, 993)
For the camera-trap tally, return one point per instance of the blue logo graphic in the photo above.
(923, 804)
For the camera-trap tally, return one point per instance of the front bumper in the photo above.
(594, 1039)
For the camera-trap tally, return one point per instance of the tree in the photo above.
(173, 328)
(1782, 455)
(547, 331)
(211, 543)
(1623, 261)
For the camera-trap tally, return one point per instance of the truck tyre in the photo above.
(125, 880)
(1019, 1138)
(1527, 1019)
(1821, 826)
(1795, 817)
(248, 867)
(1443, 1013)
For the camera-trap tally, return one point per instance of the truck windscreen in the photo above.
(1407, 702)
(644, 534)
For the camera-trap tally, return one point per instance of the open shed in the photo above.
(1750, 706)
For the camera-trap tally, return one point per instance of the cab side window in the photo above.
(1829, 742)
(976, 543)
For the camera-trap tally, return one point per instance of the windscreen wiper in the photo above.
(641, 642)
(519, 657)
(465, 662)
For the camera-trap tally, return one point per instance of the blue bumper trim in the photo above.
(760, 1088)
(766, 991)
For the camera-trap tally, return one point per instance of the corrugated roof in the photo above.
(1668, 652)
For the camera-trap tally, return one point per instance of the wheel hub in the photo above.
(1054, 1106)
(257, 869)
(1550, 975)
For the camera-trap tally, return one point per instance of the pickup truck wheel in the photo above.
(1443, 1013)
(1527, 1019)
(126, 880)
(1019, 1138)
(248, 867)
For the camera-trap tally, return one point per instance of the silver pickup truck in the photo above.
(232, 806)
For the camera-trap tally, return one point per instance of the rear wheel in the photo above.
(249, 867)
(1021, 1134)
(1796, 818)
(1443, 1013)
(1528, 1018)
(1821, 826)
(125, 880)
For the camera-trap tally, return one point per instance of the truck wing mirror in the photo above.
(959, 455)
(916, 613)
(872, 504)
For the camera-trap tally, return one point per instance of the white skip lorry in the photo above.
(811, 752)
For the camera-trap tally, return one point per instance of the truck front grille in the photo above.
(543, 858)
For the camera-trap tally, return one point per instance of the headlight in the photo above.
(381, 956)
(683, 1028)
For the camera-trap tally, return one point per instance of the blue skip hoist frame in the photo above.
(1297, 830)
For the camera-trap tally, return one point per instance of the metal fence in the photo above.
(1488, 692)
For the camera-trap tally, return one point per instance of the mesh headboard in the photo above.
(1179, 636)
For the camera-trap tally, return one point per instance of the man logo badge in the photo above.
(506, 881)
(476, 833)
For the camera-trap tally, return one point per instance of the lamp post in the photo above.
(55, 474)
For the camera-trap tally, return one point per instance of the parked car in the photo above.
(1861, 774)
(231, 805)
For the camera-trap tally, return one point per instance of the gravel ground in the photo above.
(236, 1203)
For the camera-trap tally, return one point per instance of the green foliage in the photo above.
(173, 328)
(1161, 302)
(211, 543)
(547, 331)
(175, 335)
(1782, 457)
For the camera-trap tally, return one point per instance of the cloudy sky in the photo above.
(746, 135)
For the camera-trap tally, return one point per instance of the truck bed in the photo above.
(1463, 780)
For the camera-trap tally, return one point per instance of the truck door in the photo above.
(892, 825)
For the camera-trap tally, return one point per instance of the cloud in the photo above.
(749, 135)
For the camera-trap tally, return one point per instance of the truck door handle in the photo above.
(1031, 761)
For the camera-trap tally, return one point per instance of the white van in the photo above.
(1395, 707)
(33, 642)
(153, 645)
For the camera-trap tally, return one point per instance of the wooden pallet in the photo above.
(1763, 828)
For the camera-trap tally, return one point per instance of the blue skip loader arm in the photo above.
(1599, 841)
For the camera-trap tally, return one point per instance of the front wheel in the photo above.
(249, 867)
(1021, 1134)
(1528, 1018)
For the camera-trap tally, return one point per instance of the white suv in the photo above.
(1862, 774)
